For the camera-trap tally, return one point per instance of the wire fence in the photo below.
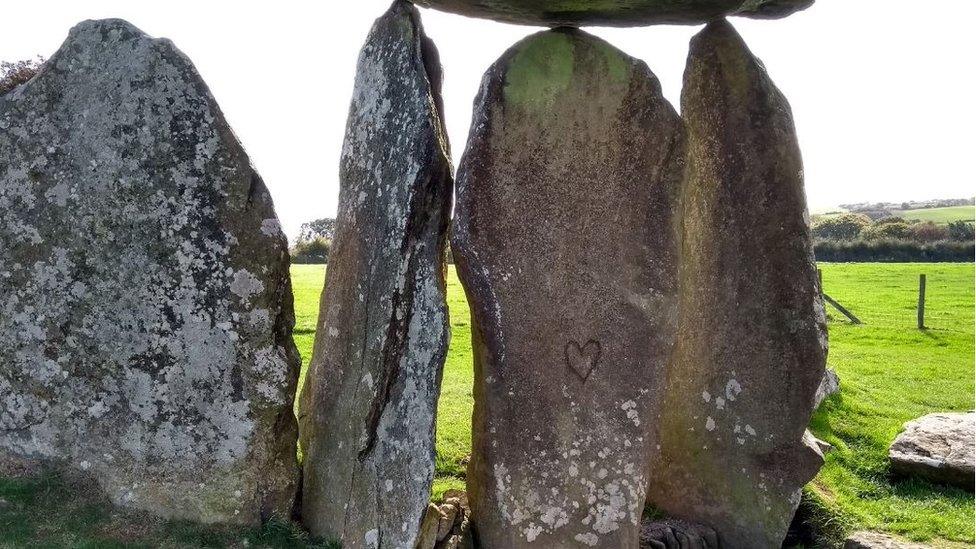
(921, 301)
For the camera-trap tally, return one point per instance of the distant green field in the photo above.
(939, 215)
(890, 373)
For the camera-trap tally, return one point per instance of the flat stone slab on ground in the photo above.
(877, 540)
(937, 447)
(615, 13)
(145, 299)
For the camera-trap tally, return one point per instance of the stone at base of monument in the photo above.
(677, 534)
(830, 385)
(447, 525)
(145, 298)
(877, 540)
(937, 447)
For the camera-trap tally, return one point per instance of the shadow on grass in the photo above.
(51, 510)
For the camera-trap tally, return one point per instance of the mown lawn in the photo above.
(890, 373)
(939, 215)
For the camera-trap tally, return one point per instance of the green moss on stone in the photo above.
(540, 69)
(618, 65)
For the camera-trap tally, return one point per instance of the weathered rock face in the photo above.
(615, 13)
(937, 447)
(752, 341)
(447, 525)
(565, 245)
(676, 534)
(829, 386)
(877, 540)
(145, 302)
(367, 409)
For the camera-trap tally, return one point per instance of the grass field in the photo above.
(890, 373)
(939, 215)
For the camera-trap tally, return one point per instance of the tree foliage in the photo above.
(13, 74)
(320, 228)
(841, 227)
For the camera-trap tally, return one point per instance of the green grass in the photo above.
(456, 403)
(890, 373)
(50, 511)
(939, 215)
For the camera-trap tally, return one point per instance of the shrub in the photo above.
(891, 219)
(928, 232)
(324, 228)
(961, 230)
(315, 250)
(18, 72)
(892, 250)
(886, 231)
(842, 227)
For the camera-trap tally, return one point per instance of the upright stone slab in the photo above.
(615, 13)
(368, 406)
(566, 247)
(145, 302)
(752, 341)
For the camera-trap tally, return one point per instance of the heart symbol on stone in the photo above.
(583, 359)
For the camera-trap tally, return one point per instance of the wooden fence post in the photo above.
(921, 302)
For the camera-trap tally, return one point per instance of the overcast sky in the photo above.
(882, 90)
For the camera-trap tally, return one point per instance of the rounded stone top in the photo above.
(615, 13)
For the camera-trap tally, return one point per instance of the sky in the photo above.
(882, 91)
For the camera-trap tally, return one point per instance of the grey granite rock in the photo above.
(938, 447)
(615, 13)
(368, 407)
(877, 540)
(145, 302)
(565, 244)
(752, 339)
(676, 534)
(829, 385)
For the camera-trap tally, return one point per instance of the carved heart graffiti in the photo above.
(583, 359)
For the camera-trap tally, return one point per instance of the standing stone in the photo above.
(145, 302)
(368, 406)
(752, 340)
(565, 244)
(615, 13)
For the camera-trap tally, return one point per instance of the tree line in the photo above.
(857, 237)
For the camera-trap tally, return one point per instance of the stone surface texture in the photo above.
(752, 339)
(565, 244)
(615, 13)
(938, 447)
(676, 534)
(877, 540)
(145, 300)
(447, 525)
(367, 410)
(829, 386)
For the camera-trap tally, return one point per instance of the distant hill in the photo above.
(939, 215)
(943, 210)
